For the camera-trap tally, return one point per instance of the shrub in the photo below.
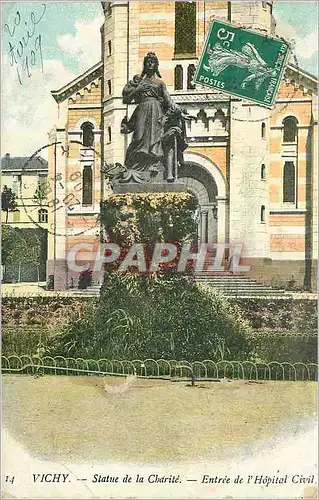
(41, 310)
(141, 317)
(290, 315)
(23, 245)
(263, 346)
(85, 279)
(24, 340)
(149, 218)
(279, 314)
(289, 347)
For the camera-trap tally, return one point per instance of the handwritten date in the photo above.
(25, 51)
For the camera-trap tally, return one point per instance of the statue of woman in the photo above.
(145, 154)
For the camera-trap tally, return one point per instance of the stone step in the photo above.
(240, 285)
(251, 293)
(248, 289)
(237, 283)
(252, 289)
(222, 276)
(259, 293)
(254, 295)
(232, 285)
(231, 282)
(214, 280)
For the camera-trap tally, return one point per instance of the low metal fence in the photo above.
(161, 368)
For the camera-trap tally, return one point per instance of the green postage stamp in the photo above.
(242, 63)
(159, 237)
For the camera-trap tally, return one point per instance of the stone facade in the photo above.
(238, 151)
(23, 177)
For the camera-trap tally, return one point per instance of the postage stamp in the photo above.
(242, 62)
(159, 225)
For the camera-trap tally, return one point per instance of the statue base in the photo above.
(152, 187)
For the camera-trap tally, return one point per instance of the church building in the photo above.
(252, 169)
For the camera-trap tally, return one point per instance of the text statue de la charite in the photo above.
(158, 127)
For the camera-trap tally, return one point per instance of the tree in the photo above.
(8, 201)
(6, 242)
(23, 245)
(41, 193)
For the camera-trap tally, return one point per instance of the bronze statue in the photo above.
(158, 126)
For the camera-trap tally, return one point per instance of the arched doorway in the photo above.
(206, 182)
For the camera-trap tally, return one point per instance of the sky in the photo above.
(62, 40)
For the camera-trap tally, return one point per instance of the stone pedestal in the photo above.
(152, 187)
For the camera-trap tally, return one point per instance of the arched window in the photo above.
(262, 213)
(289, 182)
(263, 172)
(220, 115)
(87, 190)
(109, 87)
(202, 116)
(43, 215)
(290, 129)
(109, 134)
(185, 28)
(17, 184)
(178, 77)
(190, 76)
(88, 135)
(263, 130)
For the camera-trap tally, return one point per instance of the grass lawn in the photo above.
(154, 421)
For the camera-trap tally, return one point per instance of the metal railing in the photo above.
(161, 368)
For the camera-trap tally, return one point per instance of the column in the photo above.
(222, 205)
(212, 224)
(203, 225)
(185, 66)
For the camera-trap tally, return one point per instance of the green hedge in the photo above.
(41, 310)
(266, 346)
(279, 314)
(24, 340)
(289, 314)
(284, 346)
(23, 245)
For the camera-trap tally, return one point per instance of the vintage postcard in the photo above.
(159, 215)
